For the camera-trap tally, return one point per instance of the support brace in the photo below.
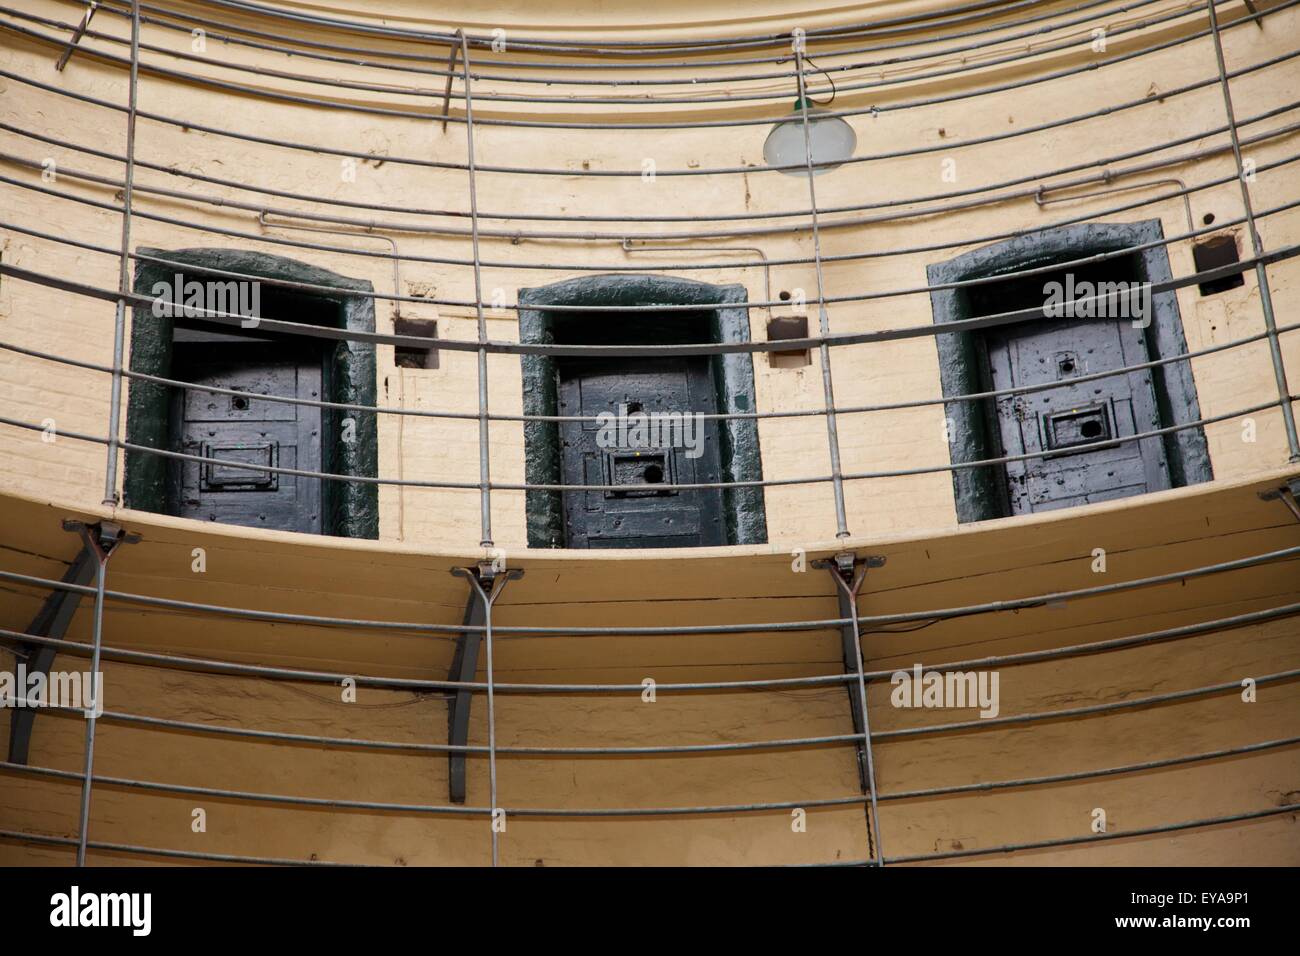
(51, 620)
(76, 36)
(451, 69)
(487, 581)
(55, 616)
(464, 665)
(1287, 494)
(848, 571)
(848, 609)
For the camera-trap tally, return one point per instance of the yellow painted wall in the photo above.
(1171, 532)
(932, 563)
(426, 449)
(909, 827)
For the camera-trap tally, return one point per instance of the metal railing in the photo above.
(493, 751)
(640, 57)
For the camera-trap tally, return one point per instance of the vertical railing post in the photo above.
(101, 541)
(484, 467)
(828, 390)
(124, 267)
(848, 573)
(487, 583)
(1257, 245)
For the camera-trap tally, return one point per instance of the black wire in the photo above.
(808, 59)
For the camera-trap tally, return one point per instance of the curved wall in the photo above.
(446, 450)
(989, 138)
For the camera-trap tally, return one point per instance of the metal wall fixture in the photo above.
(832, 139)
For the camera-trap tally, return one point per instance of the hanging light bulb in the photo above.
(833, 141)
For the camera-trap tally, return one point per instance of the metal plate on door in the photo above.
(219, 477)
(642, 470)
(1077, 426)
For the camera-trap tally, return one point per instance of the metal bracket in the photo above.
(76, 36)
(1287, 494)
(103, 537)
(464, 664)
(451, 70)
(852, 571)
(56, 614)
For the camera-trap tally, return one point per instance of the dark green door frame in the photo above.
(733, 377)
(351, 508)
(978, 495)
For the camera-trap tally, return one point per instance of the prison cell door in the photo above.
(653, 511)
(246, 429)
(1074, 413)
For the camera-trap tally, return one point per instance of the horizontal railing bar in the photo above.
(729, 747)
(1089, 446)
(1091, 838)
(305, 329)
(574, 813)
(1110, 644)
(202, 664)
(205, 664)
(419, 747)
(283, 97)
(1108, 175)
(249, 795)
(507, 632)
(1090, 710)
(995, 785)
(639, 99)
(453, 810)
(640, 48)
(394, 482)
(527, 171)
(23, 837)
(706, 416)
(371, 226)
(306, 47)
(681, 486)
(736, 170)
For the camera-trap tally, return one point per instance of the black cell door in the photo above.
(1075, 413)
(652, 512)
(243, 428)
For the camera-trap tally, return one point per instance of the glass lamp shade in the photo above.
(833, 141)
